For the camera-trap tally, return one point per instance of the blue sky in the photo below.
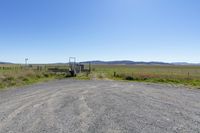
(48, 31)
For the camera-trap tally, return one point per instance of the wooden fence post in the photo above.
(188, 75)
(114, 74)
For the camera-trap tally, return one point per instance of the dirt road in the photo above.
(72, 106)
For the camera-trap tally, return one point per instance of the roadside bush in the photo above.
(129, 78)
(46, 75)
(25, 79)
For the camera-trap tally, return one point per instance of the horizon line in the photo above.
(176, 62)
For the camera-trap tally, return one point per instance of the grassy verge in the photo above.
(83, 76)
(25, 77)
(184, 75)
(159, 79)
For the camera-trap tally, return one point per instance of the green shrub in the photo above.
(25, 79)
(129, 78)
(46, 75)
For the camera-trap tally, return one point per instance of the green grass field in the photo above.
(17, 75)
(186, 75)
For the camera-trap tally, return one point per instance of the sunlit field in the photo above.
(17, 75)
(187, 75)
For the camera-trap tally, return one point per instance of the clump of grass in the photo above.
(100, 76)
(83, 76)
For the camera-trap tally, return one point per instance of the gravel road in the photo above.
(72, 106)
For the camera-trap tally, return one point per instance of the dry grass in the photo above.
(187, 75)
(16, 76)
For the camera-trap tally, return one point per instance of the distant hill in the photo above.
(5, 63)
(185, 63)
(126, 62)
